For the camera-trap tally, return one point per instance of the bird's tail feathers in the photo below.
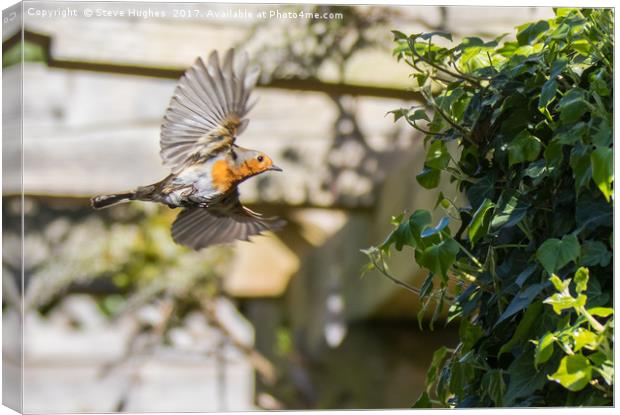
(104, 201)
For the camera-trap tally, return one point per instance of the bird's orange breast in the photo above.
(225, 176)
(222, 176)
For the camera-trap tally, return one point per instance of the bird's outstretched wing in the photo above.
(207, 109)
(198, 227)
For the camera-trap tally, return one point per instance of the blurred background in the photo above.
(116, 317)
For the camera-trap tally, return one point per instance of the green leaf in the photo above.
(400, 237)
(574, 373)
(524, 379)
(480, 222)
(398, 35)
(558, 67)
(582, 46)
(572, 105)
(529, 32)
(469, 334)
(461, 374)
(553, 254)
(494, 386)
(553, 155)
(437, 156)
(398, 113)
(439, 258)
(522, 331)
(408, 232)
(525, 147)
(581, 279)
(423, 401)
(521, 301)
(603, 170)
(560, 285)
(603, 136)
(436, 363)
(581, 166)
(547, 93)
(443, 223)
(544, 349)
(440, 33)
(607, 372)
(595, 253)
(564, 300)
(601, 311)
(584, 338)
(509, 212)
(428, 178)
(570, 135)
(418, 114)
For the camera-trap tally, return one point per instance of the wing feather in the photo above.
(199, 228)
(209, 102)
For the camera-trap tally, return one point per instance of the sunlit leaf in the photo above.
(574, 373)
(554, 253)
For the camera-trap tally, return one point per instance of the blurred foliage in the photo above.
(533, 118)
(129, 246)
(31, 53)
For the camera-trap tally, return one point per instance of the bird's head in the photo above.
(248, 163)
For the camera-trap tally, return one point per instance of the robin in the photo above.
(197, 140)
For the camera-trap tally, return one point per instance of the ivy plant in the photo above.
(522, 256)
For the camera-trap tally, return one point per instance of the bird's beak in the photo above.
(275, 168)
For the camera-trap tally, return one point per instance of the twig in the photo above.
(260, 363)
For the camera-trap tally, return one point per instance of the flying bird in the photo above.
(197, 140)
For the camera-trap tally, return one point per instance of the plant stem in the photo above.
(593, 322)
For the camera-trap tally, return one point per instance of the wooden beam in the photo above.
(299, 84)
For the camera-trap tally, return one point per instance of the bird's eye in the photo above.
(260, 159)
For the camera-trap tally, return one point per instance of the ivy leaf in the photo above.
(445, 35)
(418, 114)
(439, 258)
(523, 329)
(560, 285)
(562, 301)
(554, 253)
(603, 136)
(603, 170)
(581, 279)
(398, 35)
(570, 135)
(435, 367)
(469, 334)
(443, 222)
(544, 349)
(509, 212)
(520, 301)
(423, 401)
(428, 178)
(524, 379)
(581, 166)
(547, 93)
(437, 156)
(408, 232)
(525, 147)
(398, 113)
(572, 105)
(479, 225)
(559, 64)
(529, 32)
(601, 311)
(584, 338)
(494, 386)
(574, 373)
